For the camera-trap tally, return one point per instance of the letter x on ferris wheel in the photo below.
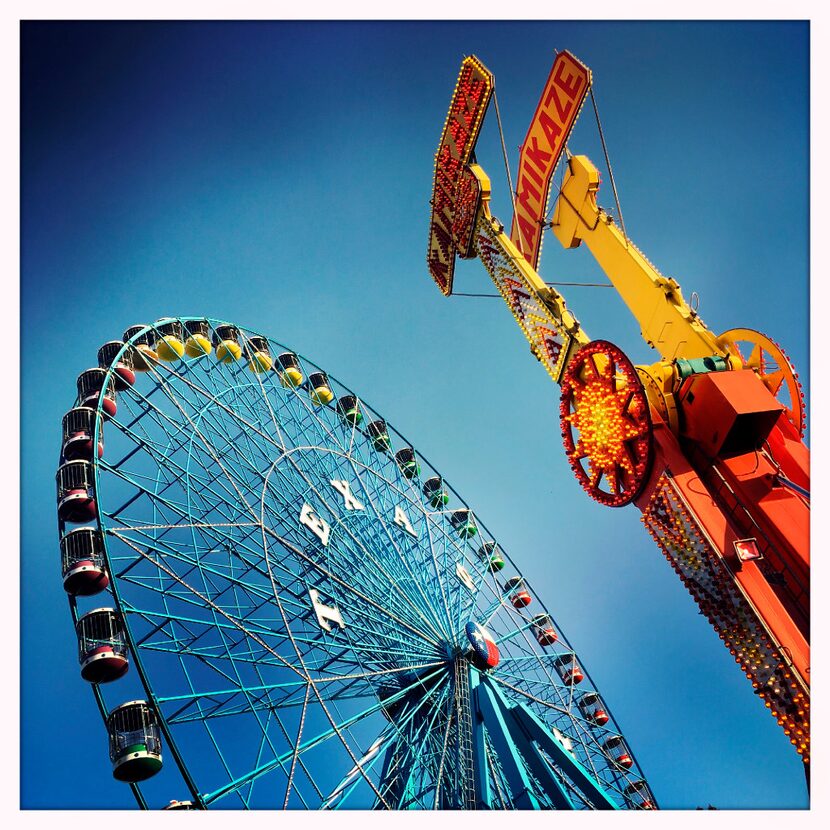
(312, 615)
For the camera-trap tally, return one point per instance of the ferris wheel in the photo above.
(300, 611)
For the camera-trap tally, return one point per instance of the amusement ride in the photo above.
(707, 442)
(274, 589)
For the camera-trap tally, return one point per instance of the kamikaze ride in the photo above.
(707, 441)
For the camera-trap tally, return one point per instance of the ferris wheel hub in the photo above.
(485, 654)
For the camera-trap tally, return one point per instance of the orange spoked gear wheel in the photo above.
(606, 425)
(763, 355)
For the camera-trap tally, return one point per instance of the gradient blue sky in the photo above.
(278, 175)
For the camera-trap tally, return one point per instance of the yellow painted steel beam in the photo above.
(667, 322)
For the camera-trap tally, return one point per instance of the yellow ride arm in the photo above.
(666, 321)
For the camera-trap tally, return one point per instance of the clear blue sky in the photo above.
(279, 175)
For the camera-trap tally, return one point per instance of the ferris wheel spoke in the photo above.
(436, 573)
(240, 650)
(228, 617)
(165, 458)
(263, 627)
(155, 495)
(213, 508)
(563, 693)
(206, 725)
(248, 476)
(239, 441)
(165, 617)
(424, 758)
(348, 587)
(414, 738)
(144, 419)
(333, 692)
(556, 707)
(227, 407)
(170, 617)
(293, 767)
(529, 654)
(275, 423)
(292, 532)
(135, 481)
(351, 781)
(213, 399)
(392, 587)
(169, 551)
(425, 603)
(174, 400)
(403, 724)
(312, 417)
(415, 610)
(204, 707)
(491, 609)
(368, 649)
(259, 444)
(264, 696)
(300, 762)
(332, 731)
(388, 636)
(210, 655)
(182, 553)
(374, 579)
(451, 554)
(374, 647)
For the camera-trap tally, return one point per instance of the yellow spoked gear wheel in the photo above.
(767, 359)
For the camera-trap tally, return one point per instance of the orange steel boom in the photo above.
(707, 442)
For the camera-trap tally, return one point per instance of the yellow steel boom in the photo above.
(666, 320)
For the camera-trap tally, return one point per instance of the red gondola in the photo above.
(618, 752)
(76, 495)
(569, 669)
(517, 593)
(543, 629)
(92, 385)
(111, 354)
(102, 646)
(78, 434)
(82, 562)
(638, 796)
(592, 707)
